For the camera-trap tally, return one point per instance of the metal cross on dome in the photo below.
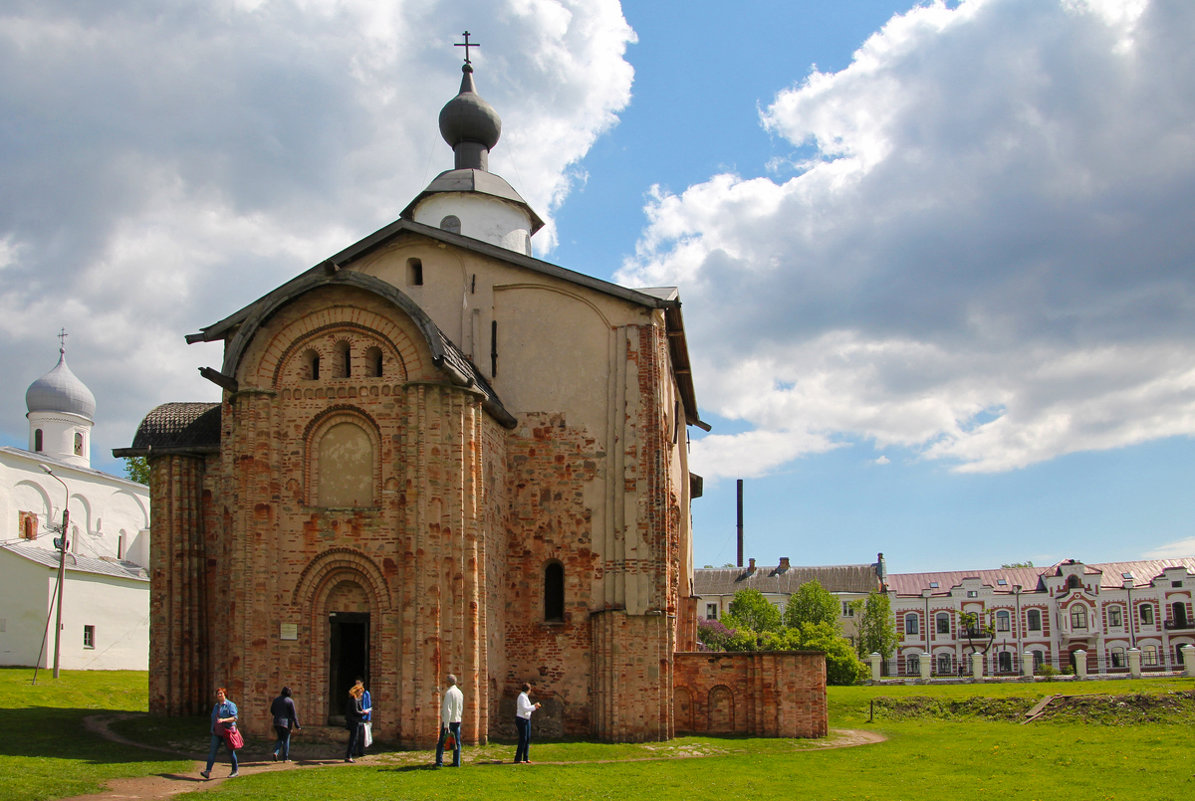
(62, 335)
(466, 44)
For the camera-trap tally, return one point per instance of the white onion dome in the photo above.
(60, 390)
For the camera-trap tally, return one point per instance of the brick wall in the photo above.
(759, 694)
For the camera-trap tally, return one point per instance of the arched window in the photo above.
(1039, 659)
(554, 592)
(311, 365)
(912, 664)
(37, 440)
(1180, 614)
(344, 359)
(373, 358)
(911, 624)
(1117, 655)
(1078, 617)
(944, 665)
(942, 619)
(1004, 662)
(1115, 617)
(1073, 583)
(1033, 619)
(78, 444)
(1003, 620)
(414, 272)
(451, 224)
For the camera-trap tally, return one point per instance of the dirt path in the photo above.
(163, 786)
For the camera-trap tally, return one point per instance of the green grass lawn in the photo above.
(45, 753)
(940, 749)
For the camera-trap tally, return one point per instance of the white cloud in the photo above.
(986, 257)
(1181, 549)
(166, 164)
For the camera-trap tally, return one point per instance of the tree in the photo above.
(842, 665)
(750, 610)
(136, 468)
(980, 634)
(877, 628)
(812, 603)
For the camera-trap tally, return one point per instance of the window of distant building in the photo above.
(1147, 614)
(89, 636)
(344, 360)
(942, 621)
(1004, 662)
(451, 224)
(1179, 614)
(37, 440)
(1115, 617)
(1003, 620)
(554, 592)
(1078, 617)
(913, 664)
(1149, 655)
(711, 611)
(848, 609)
(944, 665)
(912, 625)
(1073, 583)
(1117, 655)
(78, 444)
(1033, 618)
(1039, 659)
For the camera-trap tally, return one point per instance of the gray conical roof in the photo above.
(60, 390)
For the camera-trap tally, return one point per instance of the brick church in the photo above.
(435, 453)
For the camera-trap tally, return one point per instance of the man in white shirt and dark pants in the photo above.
(450, 722)
(523, 710)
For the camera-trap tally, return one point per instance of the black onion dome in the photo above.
(468, 118)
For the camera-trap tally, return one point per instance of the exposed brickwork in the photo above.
(445, 524)
(765, 694)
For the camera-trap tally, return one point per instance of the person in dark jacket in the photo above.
(354, 714)
(286, 720)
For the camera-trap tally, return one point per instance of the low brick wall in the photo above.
(760, 694)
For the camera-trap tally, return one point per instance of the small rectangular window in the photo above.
(89, 636)
(711, 611)
(1176, 584)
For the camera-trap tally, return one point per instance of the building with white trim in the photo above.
(105, 608)
(1056, 615)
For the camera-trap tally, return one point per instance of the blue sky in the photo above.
(936, 259)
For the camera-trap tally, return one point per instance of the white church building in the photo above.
(105, 595)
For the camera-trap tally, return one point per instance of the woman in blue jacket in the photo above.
(224, 716)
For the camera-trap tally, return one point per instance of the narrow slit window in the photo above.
(414, 272)
(554, 592)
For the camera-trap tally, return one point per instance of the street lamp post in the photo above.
(62, 543)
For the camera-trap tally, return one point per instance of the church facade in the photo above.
(104, 552)
(433, 454)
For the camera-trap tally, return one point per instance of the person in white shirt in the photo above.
(523, 709)
(450, 722)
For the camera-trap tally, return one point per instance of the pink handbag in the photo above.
(232, 736)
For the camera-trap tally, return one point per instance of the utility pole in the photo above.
(61, 542)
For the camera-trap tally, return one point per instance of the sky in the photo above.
(936, 260)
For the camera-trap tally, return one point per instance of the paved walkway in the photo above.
(163, 786)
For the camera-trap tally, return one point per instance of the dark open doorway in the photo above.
(348, 659)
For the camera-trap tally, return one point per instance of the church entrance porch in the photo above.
(348, 659)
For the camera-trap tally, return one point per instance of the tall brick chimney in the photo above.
(783, 564)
